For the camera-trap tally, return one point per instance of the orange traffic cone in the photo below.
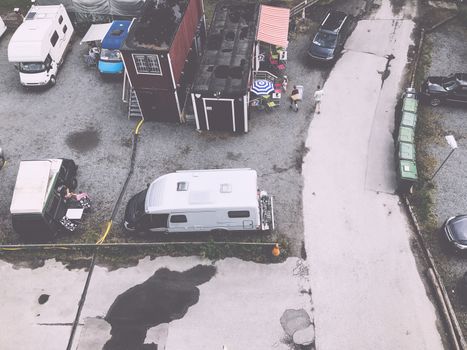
(276, 251)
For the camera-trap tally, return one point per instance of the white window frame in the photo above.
(145, 54)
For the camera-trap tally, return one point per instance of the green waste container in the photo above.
(410, 104)
(409, 119)
(407, 175)
(406, 151)
(406, 134)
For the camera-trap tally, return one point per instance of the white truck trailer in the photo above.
(39, 45)
(37, 206)
(201, 200)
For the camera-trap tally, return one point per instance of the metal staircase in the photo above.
(134, 109)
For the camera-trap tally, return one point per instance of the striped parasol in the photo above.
(262, 87)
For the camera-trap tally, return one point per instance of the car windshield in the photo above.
(110, 55)
(326, 40)
(31, 67)
(450, 85)
(459, 228)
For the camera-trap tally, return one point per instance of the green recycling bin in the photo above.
(406, 134)
(407, 175)
(406, 151)
(409, 119)
(410, 104)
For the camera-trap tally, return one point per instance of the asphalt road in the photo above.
(367, 291)
(178, 303)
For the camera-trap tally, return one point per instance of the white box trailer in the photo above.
(40, 43)
(37, 206)
(202, 200)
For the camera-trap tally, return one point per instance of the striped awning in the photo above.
(273, 25)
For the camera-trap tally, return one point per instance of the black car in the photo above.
(438, 90)
(331, 36)
(455, 229)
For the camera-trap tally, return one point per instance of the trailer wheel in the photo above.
(52, 81)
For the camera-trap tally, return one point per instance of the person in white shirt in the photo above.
(319, 93)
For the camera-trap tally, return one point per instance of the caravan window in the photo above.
(54, 38)
(239, 214)
(65, 28)
(178, 218)
(60, 19)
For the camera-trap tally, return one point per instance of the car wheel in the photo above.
(435, 101)
(52, 81)
(128, 227)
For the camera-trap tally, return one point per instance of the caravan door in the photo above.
(220, 114)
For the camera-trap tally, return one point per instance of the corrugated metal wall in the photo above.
(183, 39)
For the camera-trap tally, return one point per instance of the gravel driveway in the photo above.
(83, 118)
(449, 55)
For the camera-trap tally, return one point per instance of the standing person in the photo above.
(319, 93)
(294, 96)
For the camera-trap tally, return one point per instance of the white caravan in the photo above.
(40, 43)
(201, 200)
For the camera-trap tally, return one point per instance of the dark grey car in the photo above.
(331, 36)
(455, 229)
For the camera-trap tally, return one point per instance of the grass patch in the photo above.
(427, 133)
(424, 61)
(117, 257)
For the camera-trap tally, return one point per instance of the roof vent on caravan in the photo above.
(182, 186)
(226, 188)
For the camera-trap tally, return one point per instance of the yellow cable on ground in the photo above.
(139, 126)
(106, 232)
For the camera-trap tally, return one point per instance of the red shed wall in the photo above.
(147, 81)
(183, 39)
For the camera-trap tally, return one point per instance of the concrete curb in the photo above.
(455, 332)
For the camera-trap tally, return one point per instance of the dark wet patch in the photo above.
(164, 297)
(397, 6)
(43, 298)
(83, 141)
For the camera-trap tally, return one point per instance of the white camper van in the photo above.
(39, 45)
(201, 200)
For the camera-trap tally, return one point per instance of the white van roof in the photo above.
(31, 41)
(203, 189)
(33, 184)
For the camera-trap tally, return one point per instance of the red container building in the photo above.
(160, 55)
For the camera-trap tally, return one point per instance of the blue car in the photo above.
(110, 60)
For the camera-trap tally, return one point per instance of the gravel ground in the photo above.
(450, 182)
(83, 118)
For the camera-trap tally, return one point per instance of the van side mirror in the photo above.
(17, 66)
